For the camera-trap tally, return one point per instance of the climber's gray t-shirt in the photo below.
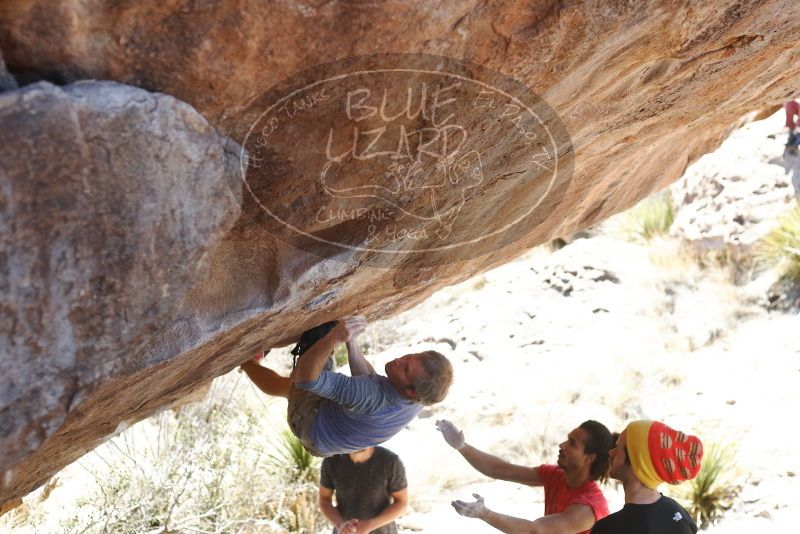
(357, 412)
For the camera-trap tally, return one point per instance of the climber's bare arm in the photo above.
(358, 364)
(267, 380)
(312, 363)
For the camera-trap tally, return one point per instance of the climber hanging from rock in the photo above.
(332, 413)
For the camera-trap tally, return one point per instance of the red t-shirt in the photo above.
(792, 108)
(557, 496)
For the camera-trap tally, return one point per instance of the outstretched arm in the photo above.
(575, 518)
(489, 465)
(311, 364)
(495, 467)
(358, 364)
(267, 380)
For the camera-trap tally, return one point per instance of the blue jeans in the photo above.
(794, 138)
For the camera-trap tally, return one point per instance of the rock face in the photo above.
(112, 199)
(628, 95)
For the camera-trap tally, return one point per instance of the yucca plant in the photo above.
(297, 509)
(714, 490)
(781, 247)
(291, 457)
(649, 218)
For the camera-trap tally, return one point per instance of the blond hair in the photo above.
(433, 388)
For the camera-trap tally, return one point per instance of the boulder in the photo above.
(113, 200)
(563, 114)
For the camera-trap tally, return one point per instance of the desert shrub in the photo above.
(715, 489)
(297, 510)
(291, 457)
(781, 247)
(480, 282)
(340, 357)
(209, 467)
(651, 217)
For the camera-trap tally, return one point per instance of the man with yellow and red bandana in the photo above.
(647, 454)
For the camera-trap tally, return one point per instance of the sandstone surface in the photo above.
(113, 199)
(641, 90)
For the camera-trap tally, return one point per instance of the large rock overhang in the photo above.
(145, 253)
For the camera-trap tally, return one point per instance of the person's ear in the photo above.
(592, 457)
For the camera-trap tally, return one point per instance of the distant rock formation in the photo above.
(731, 198)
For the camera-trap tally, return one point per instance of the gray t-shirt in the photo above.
(357, 412)
(363, 489)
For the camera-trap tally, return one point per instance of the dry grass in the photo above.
(652, 217)
(207, 467)
(781, 247)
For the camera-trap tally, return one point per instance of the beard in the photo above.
(614, 473)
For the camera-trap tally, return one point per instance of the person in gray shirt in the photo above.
(332, 413)
(371, 491)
